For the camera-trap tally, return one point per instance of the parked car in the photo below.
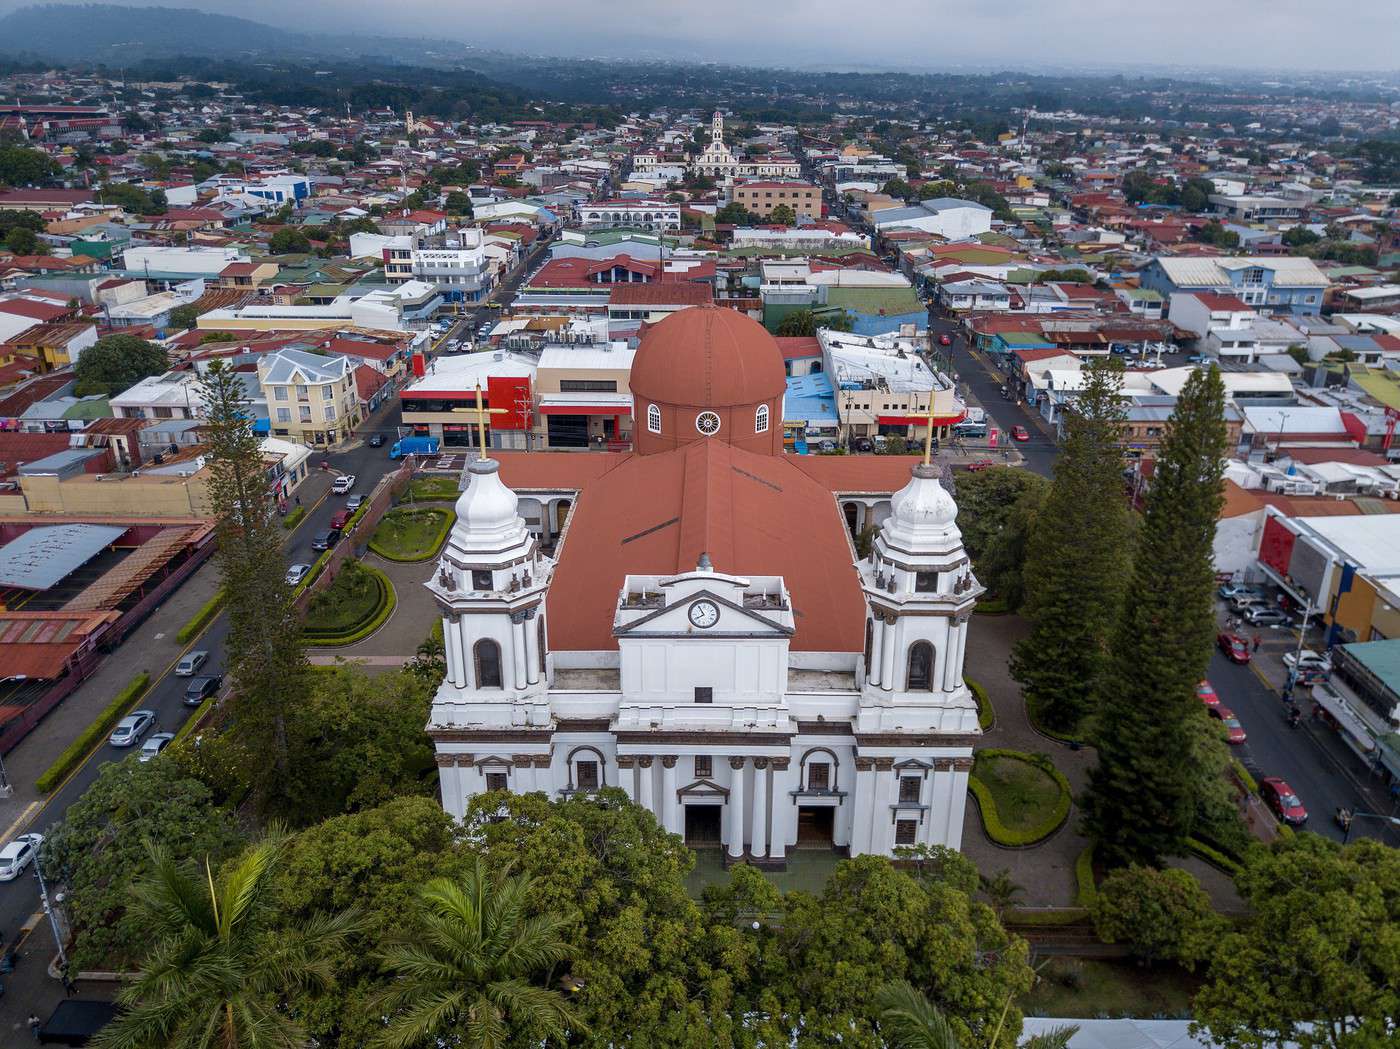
(343, 484)
(1020, 433)
(863, 444)
(1240, 605)
(131, 728)
(944, 340)
(978, 465)
(1280, 798)
(1236, 648)
(201, 688)
(325, 540)
(151, 749)
(1206, 694)
(297, 573)
(18, 855)
(1231, 591)
(1263, 615)
(189, 666)
(341, 518)
(376, 440)
(354, 503)
(1234, 731)
(1307, 660)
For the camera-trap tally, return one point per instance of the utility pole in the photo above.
(50, 911)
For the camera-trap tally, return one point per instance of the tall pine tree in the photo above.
(1141, 800)
(265, 654)
(1077, 560)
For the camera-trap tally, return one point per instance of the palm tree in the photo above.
(1001, 891)
(218, 967)
(463, 969)
(908, 1020)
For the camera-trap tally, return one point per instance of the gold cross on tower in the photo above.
(481, 419)
(928, 432)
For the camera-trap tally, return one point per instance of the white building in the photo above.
(621, 631)
(637, 214)
(718, 161)
(945, 216)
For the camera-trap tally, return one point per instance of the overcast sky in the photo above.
(932, 34)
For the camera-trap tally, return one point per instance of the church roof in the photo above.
(753, 514)
(707, 356)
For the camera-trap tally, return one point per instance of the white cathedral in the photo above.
(690, 622)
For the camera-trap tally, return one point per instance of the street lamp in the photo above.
(1346, 838)
(50, 911)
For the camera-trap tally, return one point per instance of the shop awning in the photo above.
(1346, 717)
(919, 420)
(586, 404)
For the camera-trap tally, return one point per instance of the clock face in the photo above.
(707, 423)
(704, 614)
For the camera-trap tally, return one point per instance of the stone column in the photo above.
(645, 788)
(887, 656)
(736, 808)
(759, 829)
(949, 655)
(452, 631)
(862, 806)
(877, 637)
(962, 651)
(451, 653)
(626, 778)
(532, 647)
(962, 768)
(881, 827)
(517, 646)
(939, 802)
(668, 793)
(783, 809)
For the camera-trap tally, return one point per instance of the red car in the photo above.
(1280, 798)
(1236, 648)
(1019, 433)
(1234, 731)
(943, 340)
(1207, 695)
(978, 465)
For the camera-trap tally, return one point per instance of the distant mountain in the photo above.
(115, 36)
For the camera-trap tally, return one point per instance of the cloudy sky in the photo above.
(933, 34)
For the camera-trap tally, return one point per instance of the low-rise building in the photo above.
(761, 197)
(311, 399)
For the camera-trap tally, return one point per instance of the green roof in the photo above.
(892, 302)
(90, 408)
(1382, 385)
(1381, 658)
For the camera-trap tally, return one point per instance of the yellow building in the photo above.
(761, 198)
(310, 399)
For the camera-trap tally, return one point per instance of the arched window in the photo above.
(760, 419)
(487, 655)
(653, 418)
(869, 643)
(920, 667)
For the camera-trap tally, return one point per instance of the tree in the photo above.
(1002, 567)
(1214, 233)
(908, 1020)
(897, 187)
(266, 660)
(23, 167)
(117, 362)
(1001, 891)
(1073, 275)
(1141, 800)
(215, 974)
(22, 241)
(1314, 964)
(805, 322)
(133, 199)
(186, 316)
(782, 215)
(985, 499)
(1076, 560)
(30, 220)
(1162, 915)
(288, 241)
(734, 214)
(1196, 193)
(1299, 237)
(465, 967)
(458, 203)
(98, 849)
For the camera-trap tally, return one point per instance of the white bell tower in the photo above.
(920, 592)
(490, 585)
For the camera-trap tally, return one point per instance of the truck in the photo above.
(413, 446)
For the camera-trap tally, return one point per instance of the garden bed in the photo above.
(1023, 798)
(1073, 738)
(411, 533)
(432, 489)
(1089, 987)
(355, 605)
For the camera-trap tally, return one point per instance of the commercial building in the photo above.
(1275, 284)
(310, 399)
(761, 197)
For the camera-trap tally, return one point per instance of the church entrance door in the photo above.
(702, 825)
(815, 827)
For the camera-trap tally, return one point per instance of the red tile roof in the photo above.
(799, 346)
(369, 381)
(668, 293)
(16, 449)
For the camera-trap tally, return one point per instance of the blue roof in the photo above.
(810, 397)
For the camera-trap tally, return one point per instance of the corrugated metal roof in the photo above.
(42, 556)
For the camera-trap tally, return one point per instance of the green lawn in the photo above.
(427, 489)
(411, 533)
(1024, 794)
(352, 600)
(807, 869)
(1086, 988)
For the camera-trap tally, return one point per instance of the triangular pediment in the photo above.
(733, 620)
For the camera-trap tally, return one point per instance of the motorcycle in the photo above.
(1342, 818)
(1294, 717)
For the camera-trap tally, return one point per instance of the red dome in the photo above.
(710, 357)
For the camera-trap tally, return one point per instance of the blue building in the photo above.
(1284, 285)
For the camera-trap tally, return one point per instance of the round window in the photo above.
(707, 423)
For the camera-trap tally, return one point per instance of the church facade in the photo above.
(719, 162)
(698, 628)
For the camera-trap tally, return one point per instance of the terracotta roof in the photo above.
(1239, 502)
(798, 346)
(1352, 456)
(707, 356)
(39, 311)
(369, 381)
(16, 449)
(670, 293)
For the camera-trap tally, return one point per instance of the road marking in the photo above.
(14, 827)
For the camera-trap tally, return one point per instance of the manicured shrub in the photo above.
(202, 618)
(76, 751)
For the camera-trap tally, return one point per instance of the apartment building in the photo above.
(760, 198)
(310, 398)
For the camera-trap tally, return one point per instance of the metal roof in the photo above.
(42, 556)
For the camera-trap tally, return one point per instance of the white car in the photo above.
(343, 484)
(1306, 660)
(297, 573)
(18, 855)
(189, 666)
(131, 728)
(151, 749)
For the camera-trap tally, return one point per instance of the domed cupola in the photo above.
(708, 373)
(923, 515)
(488, 516)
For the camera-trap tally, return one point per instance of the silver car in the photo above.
(189, 666)
(151, 749)
(18, 855)
(131, 728)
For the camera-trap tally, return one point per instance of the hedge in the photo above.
(369, 625)
(1086, 889)
(991, 819)
(993, 606)
(294, 518)
(1033, 716)
(202, 618)
(1242, 773)
(1214, 857)
(986, 716)
(1048, 916)
(76, 751)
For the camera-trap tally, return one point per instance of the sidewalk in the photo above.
(30, 988)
